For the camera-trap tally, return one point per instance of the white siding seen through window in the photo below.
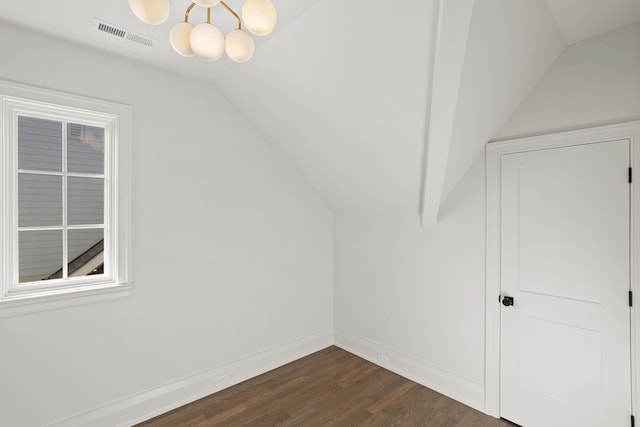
(65, 188)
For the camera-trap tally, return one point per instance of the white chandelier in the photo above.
(206, 40)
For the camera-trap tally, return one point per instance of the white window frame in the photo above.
(22, 100)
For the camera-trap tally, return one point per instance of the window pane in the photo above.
(40, 255)
(86, 201)
(39, 200)
(86, 252)
(85, 149)
(39, 144)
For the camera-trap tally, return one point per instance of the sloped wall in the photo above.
(511, 45)
(594, 82)
(232, 256)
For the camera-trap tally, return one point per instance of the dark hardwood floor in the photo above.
(329, 388)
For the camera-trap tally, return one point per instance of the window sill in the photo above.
(25, 304)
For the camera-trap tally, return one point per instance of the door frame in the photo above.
(494, 151)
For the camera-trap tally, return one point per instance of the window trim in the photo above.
(15, 108)
(16, 98)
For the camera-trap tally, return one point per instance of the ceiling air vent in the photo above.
(122, 33)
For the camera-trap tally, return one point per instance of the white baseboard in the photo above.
(148, 404)
(461, 389)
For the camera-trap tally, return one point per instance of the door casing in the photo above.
(494, 151)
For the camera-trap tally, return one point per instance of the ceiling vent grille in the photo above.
(122, 33)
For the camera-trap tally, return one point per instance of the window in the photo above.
(65, 195)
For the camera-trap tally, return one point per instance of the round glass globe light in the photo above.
(152, 12)
(179, 38)
(239, 45)
(206, 3)
(207, 41)
(259, 16)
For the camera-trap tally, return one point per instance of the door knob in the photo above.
(507, 301)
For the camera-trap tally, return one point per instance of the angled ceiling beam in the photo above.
(454, 20)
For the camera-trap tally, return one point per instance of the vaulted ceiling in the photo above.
(381, 106)
(582, 19)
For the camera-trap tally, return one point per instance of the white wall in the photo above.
(512, 43)
(417, 294)
(593, 82)
(342, 94)
(232, 253)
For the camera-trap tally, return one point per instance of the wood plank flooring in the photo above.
(329, 388)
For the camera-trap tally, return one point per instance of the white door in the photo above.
(565, 341)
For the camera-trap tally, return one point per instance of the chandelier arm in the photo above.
(208, 15)
(186, 14)
(233, 13)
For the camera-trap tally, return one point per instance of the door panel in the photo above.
(565, 343)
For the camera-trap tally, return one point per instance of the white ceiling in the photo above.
(72, 20)
(347, 106)
(582, 19)
(501, 69)
(341, 88)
